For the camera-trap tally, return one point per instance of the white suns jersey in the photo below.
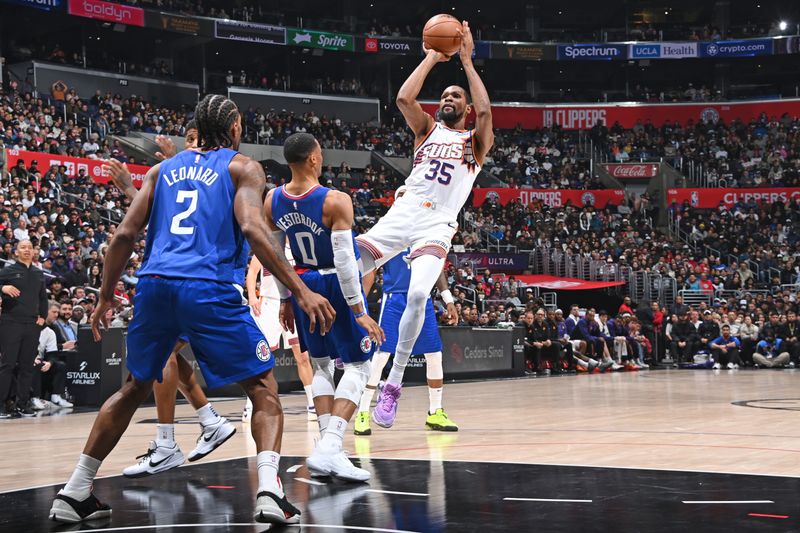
(444, 168)
(268, 288)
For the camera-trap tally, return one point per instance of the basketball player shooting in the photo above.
(447, 159)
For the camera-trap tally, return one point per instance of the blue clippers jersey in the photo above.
(396, 274)
(300, 217)
(192, 231)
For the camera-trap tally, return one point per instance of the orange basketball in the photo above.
(443, 34)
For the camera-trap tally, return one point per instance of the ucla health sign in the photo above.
(748, 48)
(591, 52)
(662, 50)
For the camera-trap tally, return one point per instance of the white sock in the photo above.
(435, 397)
(323, 422)
(268, 463)
(79, 485)
(309, 395)
(208, 415)
(334, 434)
(165, 435)
(366, 399)
(396, 373)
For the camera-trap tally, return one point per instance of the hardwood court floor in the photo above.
(708, 421)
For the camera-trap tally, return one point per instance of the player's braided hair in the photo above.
(214, 115)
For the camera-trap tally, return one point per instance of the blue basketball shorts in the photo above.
(225, 339)
(346, 339)
(392, 308)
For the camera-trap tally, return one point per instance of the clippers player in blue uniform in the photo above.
(199, 206)
(164, 453)
(318, 224)
(396, 279)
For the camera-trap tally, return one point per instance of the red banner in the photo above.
(564, 284)
(627, 171)
(584, 116)
(551, 197)
(108, 11)
(74, 164)
(711, 198)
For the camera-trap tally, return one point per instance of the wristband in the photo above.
(447, 296)
(362, 313)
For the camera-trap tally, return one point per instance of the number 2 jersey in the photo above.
(193, 232)
(445, 168)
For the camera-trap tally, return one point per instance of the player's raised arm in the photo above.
(250, 180)
(416, 118)
(339, 207)
(121, 246)
(484, 134)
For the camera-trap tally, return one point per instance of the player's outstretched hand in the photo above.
(99, 317)
(286, 316)
(255, 305)
(319, 310)
(118, 172)
(168, 148)
(452, 315)
(440, 57)
(467, 44)
(373, 329)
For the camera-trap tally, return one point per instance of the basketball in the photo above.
(443, 34)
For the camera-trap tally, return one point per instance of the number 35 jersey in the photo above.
(193, 232)
(300, 218)
(445, 167)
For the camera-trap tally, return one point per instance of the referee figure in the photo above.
(24, 306)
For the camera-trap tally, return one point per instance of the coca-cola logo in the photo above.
(633, 171)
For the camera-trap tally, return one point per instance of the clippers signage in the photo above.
(551, 197)
(110, 12)
(591, 52)
(748, 48)
(565, 284)
(320, 39)
(633, 170)
(662, 50)
(711, 198)
(582, 117)
(44, 5)
(251, 32)
(392, 46)
(92, 167)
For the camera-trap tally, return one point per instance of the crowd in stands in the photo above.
(761, 153)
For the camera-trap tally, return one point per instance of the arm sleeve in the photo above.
(344, 258)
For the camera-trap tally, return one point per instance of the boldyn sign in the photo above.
(591, 52)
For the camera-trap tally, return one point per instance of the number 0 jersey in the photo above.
(193, 232)
(445, 167)
(300, 218)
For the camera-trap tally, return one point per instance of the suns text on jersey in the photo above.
(440, 151)
(291, 219)
(194, 173)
